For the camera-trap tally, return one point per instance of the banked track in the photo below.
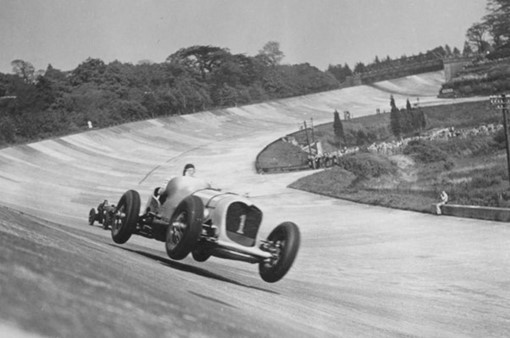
(361, 270)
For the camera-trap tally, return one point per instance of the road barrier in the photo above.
(478, 212)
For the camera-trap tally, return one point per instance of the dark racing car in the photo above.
(103, 215)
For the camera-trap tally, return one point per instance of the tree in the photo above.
(271, 51)
(7, 130)
(421, 119)
(467, 50)
(497, 21)
(448, 50)
(338, 127)
(200, 59)
(406, 119)
(475, 35)
(359, 67)
(339, 72)
(395, 118)
(91, 70)
(24, 70)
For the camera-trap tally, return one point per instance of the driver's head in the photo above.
(189, 170)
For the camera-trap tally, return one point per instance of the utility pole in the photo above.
(309, 147)
(307, 139)
(501, 103)
(313, 136)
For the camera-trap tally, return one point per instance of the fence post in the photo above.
(501, 103)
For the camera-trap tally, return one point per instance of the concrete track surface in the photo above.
(362, 271)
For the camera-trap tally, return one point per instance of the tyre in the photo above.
(200, 254)
(107, 219)
(92, 216)
(284, 244)
(126, 217)
(185, 227)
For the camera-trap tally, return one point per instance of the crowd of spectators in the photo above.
(329, 159)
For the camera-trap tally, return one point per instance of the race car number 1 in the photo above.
(242, 222)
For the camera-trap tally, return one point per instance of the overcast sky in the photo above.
(320, 32)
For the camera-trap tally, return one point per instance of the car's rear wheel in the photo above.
(126, 217)
(283, 243)
(185, 227)
(201, 254)
(92, 216)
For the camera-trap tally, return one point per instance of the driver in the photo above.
(189, 170)
(158, 197)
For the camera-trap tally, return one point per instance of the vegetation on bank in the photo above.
(466, 159)
(39, 104)
(489, 39)
(480, 78)
(42, 104)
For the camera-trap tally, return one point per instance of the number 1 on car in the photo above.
(242, 221)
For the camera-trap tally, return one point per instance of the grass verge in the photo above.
(471, 168)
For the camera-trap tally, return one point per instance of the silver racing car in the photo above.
(191, 217)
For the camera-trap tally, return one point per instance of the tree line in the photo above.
(42, 104)
(386, 68)
(52, 102)
(47, 103)
(492, 33)
(489, 71)
(404, 122)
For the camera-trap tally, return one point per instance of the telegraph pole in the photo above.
(307, 139)
(501, 103)
(313, 136)
(309, 147)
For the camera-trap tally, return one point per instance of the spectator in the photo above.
(444, 199)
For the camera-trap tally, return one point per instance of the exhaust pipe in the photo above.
(227, 254)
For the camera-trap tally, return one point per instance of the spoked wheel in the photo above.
(92, 216)
(185, 228)
(283, 243)
(126, 217)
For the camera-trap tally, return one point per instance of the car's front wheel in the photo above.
(185, 227)
(107, 219)
(126, 217)
(92, 216)
(283, 243)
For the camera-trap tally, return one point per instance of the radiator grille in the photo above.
(243, 223)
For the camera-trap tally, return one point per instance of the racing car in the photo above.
(191, 217)
(103, 215)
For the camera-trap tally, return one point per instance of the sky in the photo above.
(64, 33)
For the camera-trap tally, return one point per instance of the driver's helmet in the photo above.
(189, 170)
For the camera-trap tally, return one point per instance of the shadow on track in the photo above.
(193, 269)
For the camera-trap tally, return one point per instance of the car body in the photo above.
(191, 217)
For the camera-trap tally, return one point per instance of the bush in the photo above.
(7, 131)
(500, 139)
(365, 165)
(484, 182)
(280, 155)
(425, 152)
